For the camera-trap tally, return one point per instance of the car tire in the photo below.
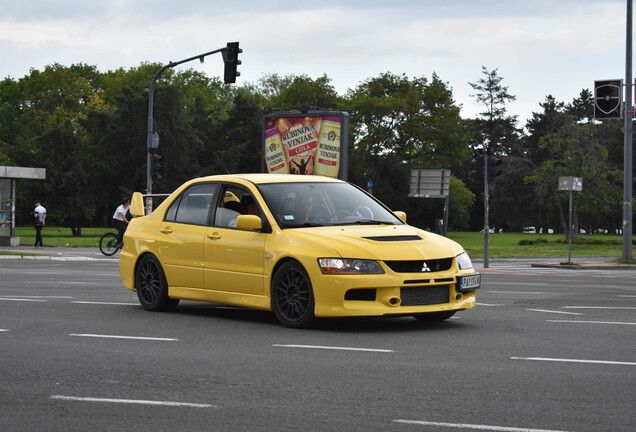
(292, 296)
(152, 287)
(434, 316)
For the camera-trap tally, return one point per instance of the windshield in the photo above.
(323, 204)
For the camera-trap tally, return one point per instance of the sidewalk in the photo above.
(600, 265)
(54, 253)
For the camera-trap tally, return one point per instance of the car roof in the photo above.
(263, 178)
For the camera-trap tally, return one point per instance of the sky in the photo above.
(538, 47)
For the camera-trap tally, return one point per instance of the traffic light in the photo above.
(493, 170)
(477, 169)
(230, 57)
(157, 167)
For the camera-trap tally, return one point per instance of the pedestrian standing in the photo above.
(39, 216)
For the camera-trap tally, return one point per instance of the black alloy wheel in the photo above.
(152, 287)
(292, 296)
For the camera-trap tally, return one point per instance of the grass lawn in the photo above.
(502, 245)
(506, 245)
(59, 236)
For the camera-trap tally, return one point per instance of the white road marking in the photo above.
(105, 303)
(4, 330)
(38, 297)
(122, 337)
(600, 307)
(473, 426)
(334, 348)
(593, 322)
(519, 292)
(553, 311)
(519, 283)
(131, 401)
(607, 362)
(21, 299)
(488, 304)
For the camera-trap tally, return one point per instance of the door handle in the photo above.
(166, 230)
(214, 236)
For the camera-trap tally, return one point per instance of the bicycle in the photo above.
(109, 244)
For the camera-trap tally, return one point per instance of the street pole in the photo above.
(486, 224)
(629, 112)
(151, 133)
(570, 231)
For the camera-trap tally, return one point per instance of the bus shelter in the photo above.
(8, 177)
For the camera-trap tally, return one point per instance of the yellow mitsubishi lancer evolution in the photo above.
(300, 246)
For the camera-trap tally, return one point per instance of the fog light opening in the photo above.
(459, 296)
(394, 301)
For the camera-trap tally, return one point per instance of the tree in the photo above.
(53, 106)
(399, 124)
(494, 134)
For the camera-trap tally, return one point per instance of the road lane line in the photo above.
(334, 348)
(122, 337)
(560, 360)
(488, 304)
(600, 307)
(473, 426)
(553, 311)
(38, 297)
(519, 292)
(131, 401)
(592, 322)
(105, 303)
(21, 299)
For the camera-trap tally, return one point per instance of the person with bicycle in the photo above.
(120, 221)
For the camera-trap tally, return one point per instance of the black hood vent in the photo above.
(395, 238)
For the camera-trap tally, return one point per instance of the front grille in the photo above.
(420, 266)
(424, 296)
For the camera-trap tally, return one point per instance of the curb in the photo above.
(588, 266)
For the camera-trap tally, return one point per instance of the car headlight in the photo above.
(343, 266)
(463, 261)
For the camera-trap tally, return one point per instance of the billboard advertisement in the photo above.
(312, 143)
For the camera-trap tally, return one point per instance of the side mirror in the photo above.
(249, 222)
(401, 215)
(137, 205)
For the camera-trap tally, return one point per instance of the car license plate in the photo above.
(471, 282)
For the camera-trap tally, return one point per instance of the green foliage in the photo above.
(88, 129)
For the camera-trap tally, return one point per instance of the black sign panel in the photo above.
(608, 99)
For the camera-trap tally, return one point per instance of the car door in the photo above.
(182, 234)
(234, 258)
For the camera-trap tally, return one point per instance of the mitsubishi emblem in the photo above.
(425, 267)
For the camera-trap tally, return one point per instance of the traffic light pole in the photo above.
(152, 140)
(629, 112)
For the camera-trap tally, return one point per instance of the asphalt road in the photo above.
(545, 350)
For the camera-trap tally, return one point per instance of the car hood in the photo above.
(378, 242)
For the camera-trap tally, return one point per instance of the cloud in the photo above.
(540, 47)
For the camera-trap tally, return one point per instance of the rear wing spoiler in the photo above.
(137, 205)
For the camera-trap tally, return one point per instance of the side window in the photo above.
(194, 205)
(172, 210)
(234, 201)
